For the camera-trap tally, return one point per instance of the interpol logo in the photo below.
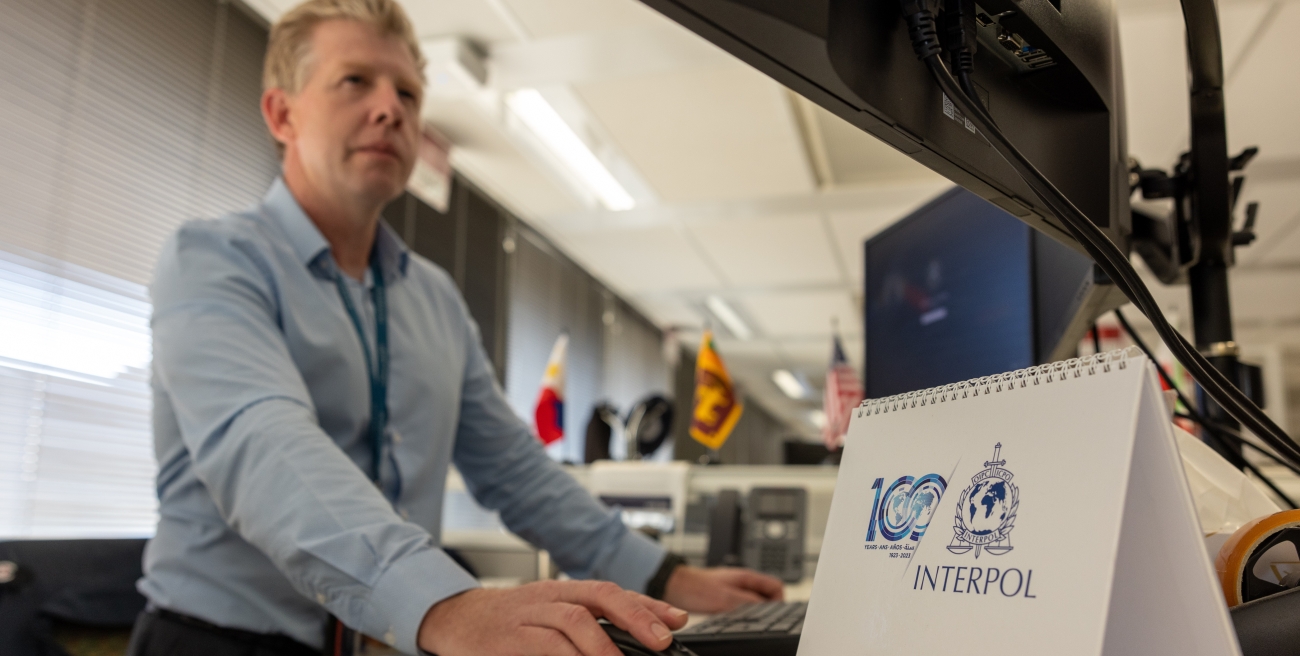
(986, 511)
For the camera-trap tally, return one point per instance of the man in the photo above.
(313, 381)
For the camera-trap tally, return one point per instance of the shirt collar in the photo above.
(310, 245)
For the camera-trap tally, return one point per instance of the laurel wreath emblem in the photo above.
(963, 532)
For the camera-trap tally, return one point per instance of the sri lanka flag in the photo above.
(717, 408)
(549, 416)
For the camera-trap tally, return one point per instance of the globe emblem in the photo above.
(985, 506)
(986, 511)
(903, 507)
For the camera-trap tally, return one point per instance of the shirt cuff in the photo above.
(408, 589)
(635, 560)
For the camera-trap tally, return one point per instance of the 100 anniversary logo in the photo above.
(903, 510)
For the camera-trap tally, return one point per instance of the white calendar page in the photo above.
(1039, 512)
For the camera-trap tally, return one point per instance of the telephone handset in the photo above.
(765, 534)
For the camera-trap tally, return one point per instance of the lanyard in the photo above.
(376, 366)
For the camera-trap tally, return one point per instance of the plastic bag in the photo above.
(1225, 497)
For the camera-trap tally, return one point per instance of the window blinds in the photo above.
(119, 119)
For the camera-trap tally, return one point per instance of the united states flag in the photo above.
(843, 393)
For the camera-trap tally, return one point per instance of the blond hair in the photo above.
(289, 48)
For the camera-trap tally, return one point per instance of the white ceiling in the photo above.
(754, 195)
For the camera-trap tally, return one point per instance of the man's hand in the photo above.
(719, 589)
(547, 618)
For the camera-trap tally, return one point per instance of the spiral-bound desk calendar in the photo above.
(1042, 511)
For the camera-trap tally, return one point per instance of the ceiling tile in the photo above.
(857, 157)
(1155, 92)
(475, 20)
(717, 132)
(645, 260)
(736, 350)
(789, 314)
(1153, 43)
(770, 251)
(813, 356)
(550, 18)
(668, 311)
(1262, 98)
(482, 152)
(1238, 23)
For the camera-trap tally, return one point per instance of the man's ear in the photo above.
(275, 111)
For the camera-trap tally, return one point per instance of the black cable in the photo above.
(968, 85)
(1227, 433)
(1096, 339)
(1218, 433)
(960, 42)
(1192, 412)
(1111, 260)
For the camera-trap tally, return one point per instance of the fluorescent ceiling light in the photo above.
(790, 384)
(728, 317)
(817, 418)
(542, 119)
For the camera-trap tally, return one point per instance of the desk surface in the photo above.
(800, 591)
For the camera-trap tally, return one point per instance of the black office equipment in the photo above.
(649, 425)
(961, 289)
(766, 629)
(600, 429)
(1268, 626)
(724, 530)
(774, 528)
(630, 646)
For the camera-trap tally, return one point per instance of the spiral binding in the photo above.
(1042, 374)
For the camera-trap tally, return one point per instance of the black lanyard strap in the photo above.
(377, 365)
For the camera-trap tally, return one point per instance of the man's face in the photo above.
(353, 128)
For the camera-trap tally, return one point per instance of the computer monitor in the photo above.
(1049, 73)
(939, 309)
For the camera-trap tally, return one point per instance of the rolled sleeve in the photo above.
(633, 561)
(408, 589)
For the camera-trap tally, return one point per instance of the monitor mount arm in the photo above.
(1196, 244)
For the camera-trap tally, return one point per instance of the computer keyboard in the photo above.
(766, 629)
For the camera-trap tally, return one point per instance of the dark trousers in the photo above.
(162, 633)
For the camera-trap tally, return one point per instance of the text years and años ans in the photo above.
(895, 550)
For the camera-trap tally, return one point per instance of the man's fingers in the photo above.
(627, 610)
(577, 625)
(669, 614)
(768, 586)
(542, 641)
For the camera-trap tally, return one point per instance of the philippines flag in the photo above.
(843, 393)
(548, 417)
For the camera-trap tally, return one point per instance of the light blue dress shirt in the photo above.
(268, 520)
